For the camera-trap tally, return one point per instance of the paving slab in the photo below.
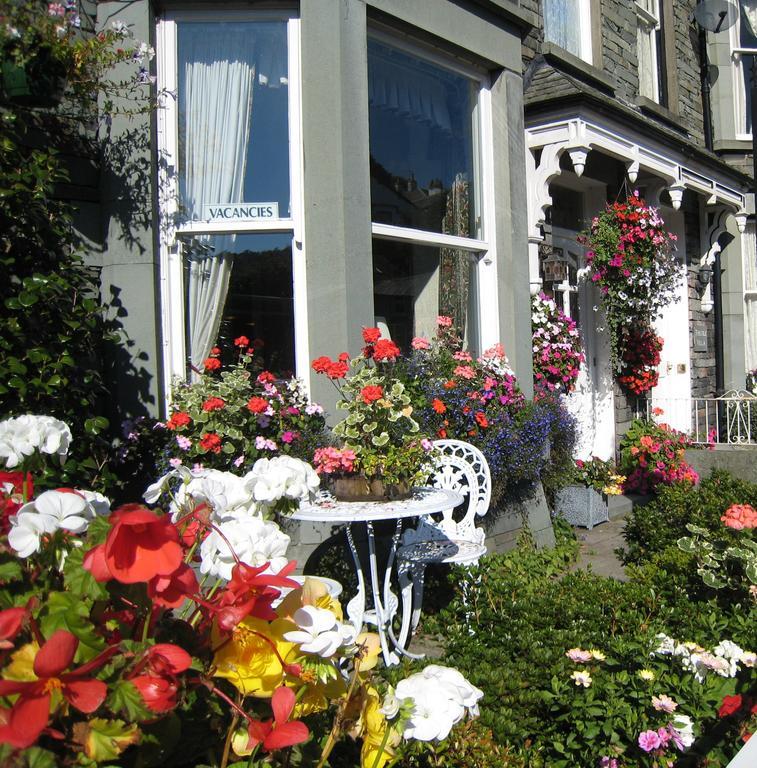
(598, 548)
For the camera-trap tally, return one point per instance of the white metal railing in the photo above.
(730, 419)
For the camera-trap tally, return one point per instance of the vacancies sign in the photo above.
(229, 212)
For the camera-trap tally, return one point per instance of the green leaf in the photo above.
(106, 739)
(10, 571)
(125, 699)
(78, 581)
(26, 299)
(69, 612)
(36, 757)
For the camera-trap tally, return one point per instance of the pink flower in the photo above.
(443, 321)
(462, 356)
(183, 442)
(263, 444)
(579, 656)
(420, 343)
(175, 462)
(288, 437)
(649, 740)
(464, 371)
(664, 703)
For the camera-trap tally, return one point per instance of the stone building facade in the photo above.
(615, 101)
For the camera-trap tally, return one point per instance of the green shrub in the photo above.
(658, 525)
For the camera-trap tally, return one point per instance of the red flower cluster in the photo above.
(740, 516)
(178, 420)
(257, 404)
(640, 356)
(210, 442)
(12, 494)
(370, 394)
(334, 369)
(211, 364)
(214, 404)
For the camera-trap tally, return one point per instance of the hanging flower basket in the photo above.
(38, 82)
(632, 262)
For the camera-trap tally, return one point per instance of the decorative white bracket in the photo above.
(578, 157)
(741, 218)
(676, 194)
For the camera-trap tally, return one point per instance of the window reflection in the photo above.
(422, 128)
(241, 285)
(414, 284)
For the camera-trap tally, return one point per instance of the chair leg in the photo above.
(469, 581)
(419, 573)
(406, 590)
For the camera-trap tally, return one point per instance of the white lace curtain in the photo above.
(219, 74)
(750, 296)
(562, 24)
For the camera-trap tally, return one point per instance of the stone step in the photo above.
(618, 506)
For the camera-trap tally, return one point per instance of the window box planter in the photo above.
(581, 506)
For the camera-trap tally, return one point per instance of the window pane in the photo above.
(422, 127)
(233, 115)
(414, 284)
(562, 24)
(241, 285)
(747, 39)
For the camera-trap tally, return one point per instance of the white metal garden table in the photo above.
(326, 509)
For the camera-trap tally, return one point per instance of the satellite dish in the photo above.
(716, 15)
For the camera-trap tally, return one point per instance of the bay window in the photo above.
(431, 231)
(230, 161)
(743, 41)
(650, 50)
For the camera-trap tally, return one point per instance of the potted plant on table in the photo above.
(382, 453)
(584, 500)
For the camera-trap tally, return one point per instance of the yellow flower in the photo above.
(647, 675)
(597, 655)
(318, 696)
(374, 727)
(312, 592)
(251, 659)
(369, 646)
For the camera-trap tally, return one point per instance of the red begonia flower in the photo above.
(158, 693)
(141, 545)
(94, 562)
(11, 621)
(279, 732)
(730, 704)
(171, 590)
(28, 717)
(168, 659)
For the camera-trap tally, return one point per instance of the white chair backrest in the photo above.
(473, 456)
(460, 467)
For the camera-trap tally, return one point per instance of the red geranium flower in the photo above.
(371, 335)
(212, 364)
(178, 419)
(28, 717)
(215, 351)
(730, 704)
(481, 419)
(214, 404)
(279, 732)
(321, 364)
(266, 377)
(241, 341)
(385, 350)
(171, 590)
(438, 405)
(371, 393)
(210, 442)
(257, 404)
(141, 545)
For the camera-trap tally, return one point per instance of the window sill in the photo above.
(654, 109)
(732, 145)
(578, 67)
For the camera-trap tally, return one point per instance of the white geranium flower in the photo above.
(69, 511)
(154, 490)
(21, 436)
(99, 504)
(27, 529)
(282, 477)
(390, 707)
(439, 697)
(227, 495)
(254, 541)
(320, 632)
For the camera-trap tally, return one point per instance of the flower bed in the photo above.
(146, 637)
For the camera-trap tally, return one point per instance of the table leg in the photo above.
(381, 619)
(356, 606)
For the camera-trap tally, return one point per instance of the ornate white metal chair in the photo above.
(459, 467)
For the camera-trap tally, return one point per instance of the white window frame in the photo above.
(741, 62)
(649, 24)
(172, 288)
(483, 247)
(584, 16)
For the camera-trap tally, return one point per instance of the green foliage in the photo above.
(527, 609)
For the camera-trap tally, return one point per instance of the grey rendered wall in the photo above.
(732, 293)
(129, 279)
(337, 188)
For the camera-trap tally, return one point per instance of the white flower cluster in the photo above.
(237, 507)
(24, 435)
(723, 660)
(51, 511)
(320, 632)
(432, 701)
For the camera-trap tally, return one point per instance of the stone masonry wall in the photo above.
(619, 58)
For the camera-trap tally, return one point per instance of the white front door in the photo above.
(592, 401)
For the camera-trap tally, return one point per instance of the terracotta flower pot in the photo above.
(360, 488)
